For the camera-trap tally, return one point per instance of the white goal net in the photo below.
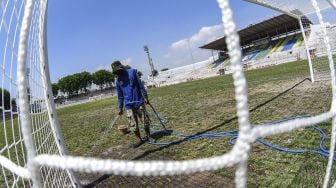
(32, 149)
(26, 107)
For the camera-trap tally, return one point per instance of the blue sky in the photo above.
(86, 35)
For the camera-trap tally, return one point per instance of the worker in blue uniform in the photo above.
(132, 96)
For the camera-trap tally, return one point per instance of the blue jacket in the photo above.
(131, 91)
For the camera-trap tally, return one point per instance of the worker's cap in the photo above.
(116, 66)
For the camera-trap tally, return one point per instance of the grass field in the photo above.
(208, 106)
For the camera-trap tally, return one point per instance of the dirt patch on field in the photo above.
(121, 152)
(118, 152)
(302, 85)
(202, 179)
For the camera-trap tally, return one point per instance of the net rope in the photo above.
(32, 153)
(293, 8)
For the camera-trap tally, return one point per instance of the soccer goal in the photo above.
(32, 148)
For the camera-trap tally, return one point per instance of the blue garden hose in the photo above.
(233, 135)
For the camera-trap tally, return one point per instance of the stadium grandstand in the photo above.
(185, 73)
(274, 41)
(271, 42)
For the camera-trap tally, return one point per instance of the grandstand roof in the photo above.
(268, 28)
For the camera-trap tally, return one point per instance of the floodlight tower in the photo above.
(192, 59)
(150, 61)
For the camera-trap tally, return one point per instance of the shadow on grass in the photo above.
(161, 134)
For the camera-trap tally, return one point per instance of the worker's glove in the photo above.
(121, 112)
(146, 101)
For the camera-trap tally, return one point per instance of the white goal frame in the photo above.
(238, 156)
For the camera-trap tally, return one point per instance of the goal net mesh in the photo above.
(32, 149)
(42, 133)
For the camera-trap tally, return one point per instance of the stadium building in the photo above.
(271, 42)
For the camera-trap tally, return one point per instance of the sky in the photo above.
(88, 35)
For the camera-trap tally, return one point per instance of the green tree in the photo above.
(55, 89)
(62, 85)
(7, 99)
(76, 82)
(103, 78)
(85, 80)
(111, 79)
(14, 105)
(69, 84)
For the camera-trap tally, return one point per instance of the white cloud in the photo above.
(207, 34)
(187, 51)
(181, 44)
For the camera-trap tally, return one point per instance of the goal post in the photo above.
(31, 128)
(23, 97)
(45, 74)
(303, 32)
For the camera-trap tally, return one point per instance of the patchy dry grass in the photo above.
(209, 106)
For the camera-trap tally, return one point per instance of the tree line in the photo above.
(6, 101)
(77, 83)
(71, 85)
